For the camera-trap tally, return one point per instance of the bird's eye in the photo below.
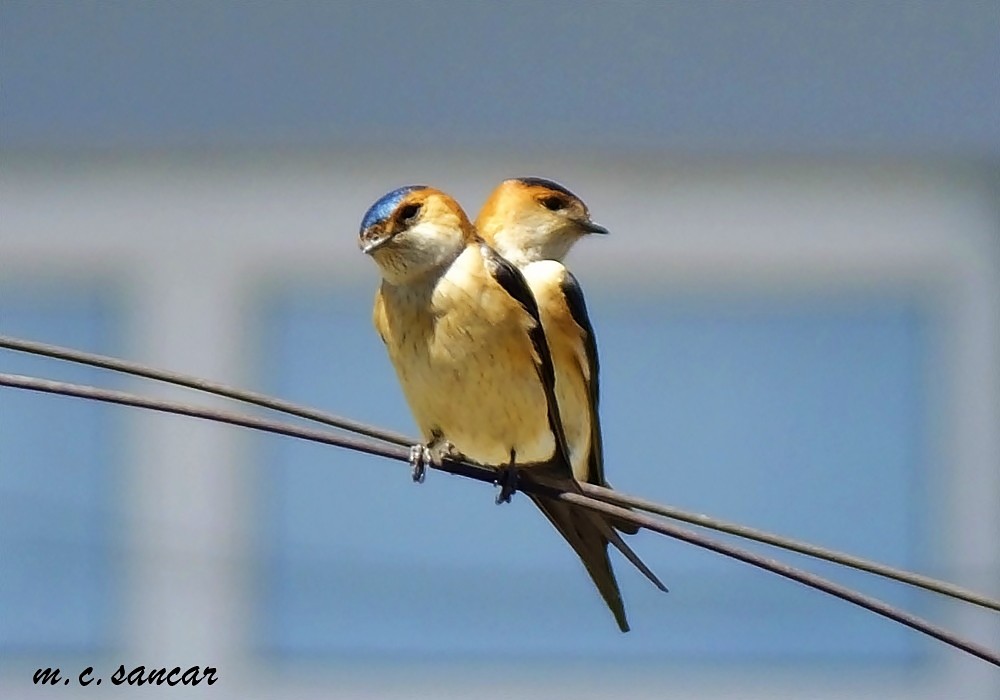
(553, 203)
(408, 212)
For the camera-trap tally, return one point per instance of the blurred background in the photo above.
(798, 313)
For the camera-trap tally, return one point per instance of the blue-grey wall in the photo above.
(884, 77)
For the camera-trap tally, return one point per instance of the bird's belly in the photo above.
(487, 403)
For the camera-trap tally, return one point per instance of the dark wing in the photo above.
(585, 535)
(512, 281)
(589, 533)
(573, 294)
(586, 532)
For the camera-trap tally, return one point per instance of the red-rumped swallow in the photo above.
(533, 223)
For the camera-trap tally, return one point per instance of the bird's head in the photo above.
(528, 219)
(414, 231)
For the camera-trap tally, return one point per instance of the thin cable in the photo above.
(868, 603)
(608, 495)
(918, 580)
(122, 398)
(488, 475)
(113, 363)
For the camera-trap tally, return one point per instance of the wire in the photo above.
(868, 603)
(48, 386)
(811, 550)
(488, 475)
(113, 363)
(607, 495)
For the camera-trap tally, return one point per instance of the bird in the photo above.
(463, 332)
(534, 222)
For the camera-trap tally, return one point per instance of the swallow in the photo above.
(464, 334)
(534, 223)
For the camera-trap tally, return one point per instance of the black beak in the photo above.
(590, 227)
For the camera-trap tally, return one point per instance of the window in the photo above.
(807, 418)
(57, 495)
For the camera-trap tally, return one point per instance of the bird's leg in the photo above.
(507, 480)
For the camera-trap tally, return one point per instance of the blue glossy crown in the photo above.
(386, 204)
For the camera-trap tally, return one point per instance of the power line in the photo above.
(480, 473)
(607, 495)
(811, 550)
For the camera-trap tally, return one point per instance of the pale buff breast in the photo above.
(467, 366)
(569, 358)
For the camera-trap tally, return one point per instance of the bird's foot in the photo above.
(506, 481)
(420, 457)
(440, 450)
(432, 454)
